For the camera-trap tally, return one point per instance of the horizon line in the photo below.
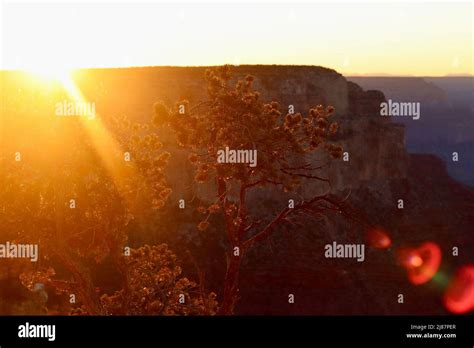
(346, 74)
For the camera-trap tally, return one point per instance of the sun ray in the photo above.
(104, 143)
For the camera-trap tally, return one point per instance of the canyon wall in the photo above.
(375, 145)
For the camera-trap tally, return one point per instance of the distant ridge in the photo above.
(394, 76)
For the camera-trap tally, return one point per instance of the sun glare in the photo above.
(58, 74)
(51, 73)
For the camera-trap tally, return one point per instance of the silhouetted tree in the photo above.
(234, 117)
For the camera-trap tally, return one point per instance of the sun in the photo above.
(48, 74)
(51, 73)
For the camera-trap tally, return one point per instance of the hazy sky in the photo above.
(393, 38)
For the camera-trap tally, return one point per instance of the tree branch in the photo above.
(282, 217)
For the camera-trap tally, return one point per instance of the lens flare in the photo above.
(459, 296)
(421, 263)
(379, 238)
(415, 260)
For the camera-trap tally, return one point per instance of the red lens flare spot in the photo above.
(414, 261)
(421, 262)
(379, 238)
(459, 296)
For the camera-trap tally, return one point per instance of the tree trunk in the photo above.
(231, 285)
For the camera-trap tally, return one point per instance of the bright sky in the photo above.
(363, 38)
